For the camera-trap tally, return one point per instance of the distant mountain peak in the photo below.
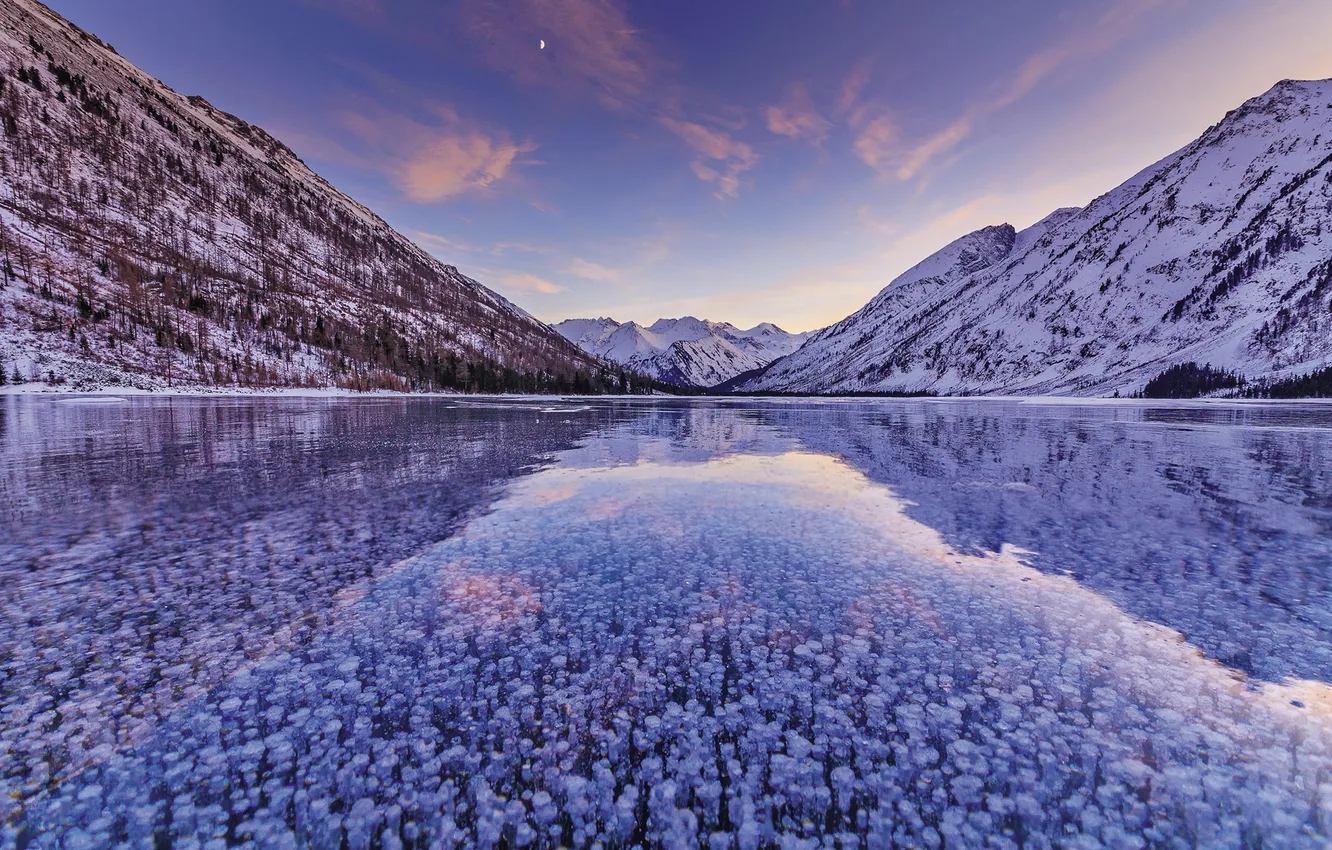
(686, 351)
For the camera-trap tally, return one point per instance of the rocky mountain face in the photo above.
(1216, 255)
(687, 352)
(149, 238)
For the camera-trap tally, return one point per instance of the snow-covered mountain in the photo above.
(1220, 254)
(687, 352)
(148, 237)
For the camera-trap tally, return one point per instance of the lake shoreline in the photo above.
(42, 390)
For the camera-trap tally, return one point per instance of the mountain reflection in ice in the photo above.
(720, 626)
(1214, 521)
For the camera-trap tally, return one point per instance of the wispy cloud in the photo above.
(515, 282)
(524, 282)
(457, 163)
(852, 88)
(797, 118)
(588, 270)
(722, 159)
(876, 142)
(434, 161)
(659, 248)
(520, 247)
(591, 48)
(1107, 31)
(435, 242)
(922, 154)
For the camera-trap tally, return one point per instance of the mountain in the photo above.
(686, 352)
(150, 238)
(1220, 254)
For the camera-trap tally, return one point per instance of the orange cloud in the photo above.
(590, 46)
(456, 163)
(431, 162)
(796, 117)
(733, 157)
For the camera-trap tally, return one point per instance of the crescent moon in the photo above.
(543, 44)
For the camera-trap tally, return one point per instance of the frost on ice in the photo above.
(656, 642)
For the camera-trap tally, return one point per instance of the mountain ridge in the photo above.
(1216, 253)
(687, 351)
(150, 238)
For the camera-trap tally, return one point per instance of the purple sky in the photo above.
(741, 161)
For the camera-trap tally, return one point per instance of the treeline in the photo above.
(453, 373)
(1317, 384)
(1189, 380)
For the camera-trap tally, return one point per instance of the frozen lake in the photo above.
(721, 624)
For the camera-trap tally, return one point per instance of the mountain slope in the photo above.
(150, 237)
(686, 352)
(1217, 254)
(702, 362)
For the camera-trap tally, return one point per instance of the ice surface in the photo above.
(720, 625)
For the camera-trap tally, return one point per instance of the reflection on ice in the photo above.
(655, 643)
(153, 550)
(1214, 521)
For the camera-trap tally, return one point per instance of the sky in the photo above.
(735, 160)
